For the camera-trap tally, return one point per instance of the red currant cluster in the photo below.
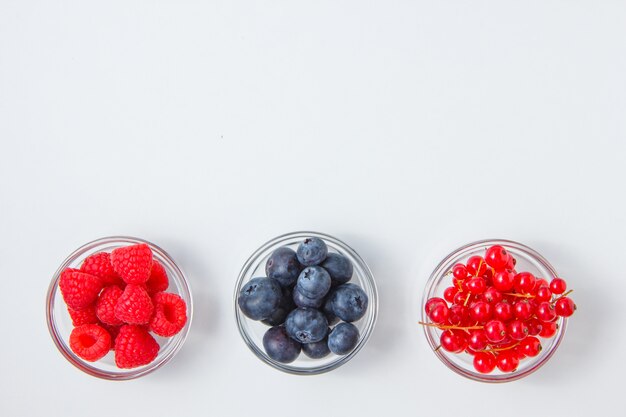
(495, 313)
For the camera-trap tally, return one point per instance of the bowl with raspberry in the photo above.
(495, 310)
(305, 303)
(119, 308)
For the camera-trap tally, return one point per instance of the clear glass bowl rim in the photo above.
(432, 283)
(92, 369)
(341, 360)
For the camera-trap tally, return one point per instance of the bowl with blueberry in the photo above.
(305, 303)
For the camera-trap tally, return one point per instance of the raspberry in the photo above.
(158, 280)
(134, 306)
(134, 346)
(90, 341)
(105, 306)
(99, 265)
(132, 263)
(170, 314)
(86, 315)
(79, 290)
(113, 331)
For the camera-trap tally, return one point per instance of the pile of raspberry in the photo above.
(495, 313)
(115, 300)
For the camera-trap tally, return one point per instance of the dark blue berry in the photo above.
(348, 302)
(279, 346)
(316, 350)
(343, 338)
(259, 297)
(338, 267)
(313, 282)
(304, 301)
(306, 325)
(285, 306)
(327, 309)
(312, 251)
(283, 266)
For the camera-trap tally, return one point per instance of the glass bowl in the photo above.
(252, 331)
(60, 323)
(527, 260)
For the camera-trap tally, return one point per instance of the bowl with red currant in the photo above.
(495, 310)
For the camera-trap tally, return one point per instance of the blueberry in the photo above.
(313, 282)
(279, 346)
(304, 301)
(349, 302)
(338, 267)
(285, 306)
(316, 350)
(259, 297)
(343, 338)
(327, 309)
(312, 251)
(283, 266)
(306, 325)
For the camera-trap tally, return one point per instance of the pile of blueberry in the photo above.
(304, 294)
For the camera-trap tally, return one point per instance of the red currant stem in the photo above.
(467, 299)
(561, 296)
(479, 265)
(519, 295)
(437, 348)
(499, 349)
(449, 327)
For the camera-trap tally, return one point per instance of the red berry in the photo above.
(480, 311)
(545, 312)
(449, 294)
(511, 263)
(113, 331)
(503, 311)
(454, 341)
(134, 347)
(133, 263)
(477, 339)
(476, 266)
(460, 297)
(90, 342)
(497, 257)
(86, 315)
(459, 315)
(432, 303)
(564, 307)
(543, 294)
(531, 346)
(517, 330)
(158, 280)
(99, 265)
(492, 296)
(495, 331)
(79, 290)
(519, 353)
(523, 310)
(475, 285)
(524, 282)
(540, 282)
(558, 286)
(134, 306)
(484, 362)
(459, 271)
(534, 326)
(548, 329)
(507, 361)
(105, 306)
(170, 314)
(439, 314)
(503, 280)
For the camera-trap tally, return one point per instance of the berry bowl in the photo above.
(61, 325)
(457, 355)
(356, 329)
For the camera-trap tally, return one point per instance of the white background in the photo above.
(405, 128)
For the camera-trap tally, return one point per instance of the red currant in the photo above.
(480, 311)
(564, 307)
(476, 285)
(531, 346)
(503, 280)
(492, 296)
(524, 282)
(548, 329)
(511, 263)
(534, 326)
(495, 331)
(477, 339)
(449, 294)
(517, 330)
(503, 312)
(558, 286)
(439, 314)
(432, 303)
(523, 310)
(488, 276)
(497, 257)
(459, 315)
(459, 271)
(519, 352)
(545, 312)
(476, 266)
(454, 341)
(540, 282)
(543, 294)
(507, 361)
(484, 362)
(460, 297)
